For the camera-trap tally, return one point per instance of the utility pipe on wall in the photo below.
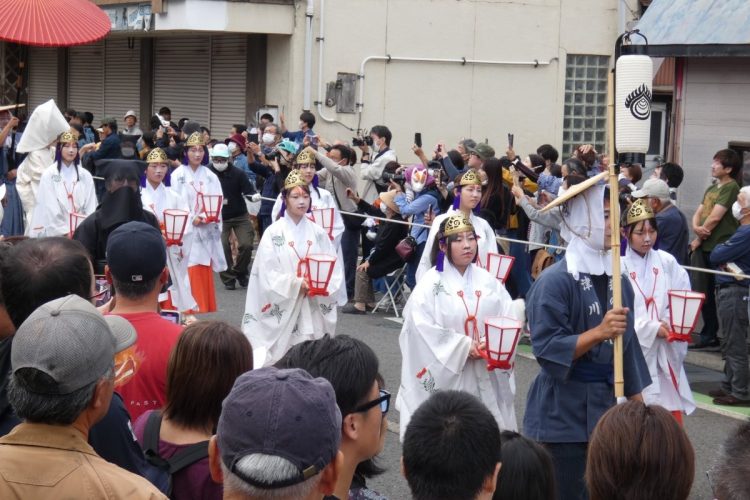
(308, 55)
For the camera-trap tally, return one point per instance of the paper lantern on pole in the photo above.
(499, 265)
(684, 308)
(633, 84)
(501, 335)
(75, 219)
(175, 222)
(324, 218)
(318, 272)
(212, 206)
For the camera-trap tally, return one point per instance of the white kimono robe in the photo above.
(656, 274)
(60, 193)
(156, 201)
(321, 198)
(276, 315)
(435, 347)
(486, 242)
(205, 249)
(29, 176)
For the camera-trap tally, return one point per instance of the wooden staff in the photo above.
(614, 223)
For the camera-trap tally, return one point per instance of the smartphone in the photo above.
(429, 212)
(510, 140)
(103, 290)
(314, 140)
(418, 139)
(170, 315)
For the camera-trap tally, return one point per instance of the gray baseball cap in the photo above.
(282, 413)
(652, 188)
(68, 340)
(483, 150)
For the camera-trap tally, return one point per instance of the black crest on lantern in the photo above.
(639, 102)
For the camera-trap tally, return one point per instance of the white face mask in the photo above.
(376, 145)
(220, 165)
(232, 146)
(737, 210)
(268, 138)
(302, 125)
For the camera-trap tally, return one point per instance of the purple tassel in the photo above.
(315, 181)
(283, 208)
(143, 180)
(457, 201)
(623, 246)
(477, 209)
(440, 261)
(168, 178)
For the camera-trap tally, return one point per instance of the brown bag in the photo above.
(542, 260)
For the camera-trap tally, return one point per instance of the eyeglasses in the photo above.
(384, 401)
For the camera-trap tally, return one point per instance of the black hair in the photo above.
(672, 174)
(239, 127)
(383, 132)
(36, 271)
(536, 161)
(148, 138)
(165, 111)
(451, 446)
(527, 471)
(181, 122)
(70, 112)
(308, 118)
(134, 290)
(733, 466)
(267, 116)
(456, 159)
(577, 171)
(347, 153)
(731, 160)
(548, 152)
(205, 130)
(154, 122)
(89, 117)
(555, 170)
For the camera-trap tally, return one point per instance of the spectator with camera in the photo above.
(372, 167)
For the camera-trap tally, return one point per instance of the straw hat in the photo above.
(574, 191)
(387, 197)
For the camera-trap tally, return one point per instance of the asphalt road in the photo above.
(706, 428)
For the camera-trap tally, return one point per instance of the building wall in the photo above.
(447, 101)
(716, 111)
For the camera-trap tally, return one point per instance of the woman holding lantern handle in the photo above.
(455, 307)
(294, 281)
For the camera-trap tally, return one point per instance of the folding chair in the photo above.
(394, 290)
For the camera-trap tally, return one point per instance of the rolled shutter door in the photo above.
(122, 79)
(181, 77)
(228, 83)
(42, 76)
(86, 79)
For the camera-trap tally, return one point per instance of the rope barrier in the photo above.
(524, 242)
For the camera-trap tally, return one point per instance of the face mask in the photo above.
(384, 208)
(302, 125)
(376, 146)
(737, 210)
(268, 138)
(232, 146)
(220, 165)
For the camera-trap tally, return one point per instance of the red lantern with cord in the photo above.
(318, 269)
(499, 265)
(75, 220)
(684, 308)
(212, 206)
(501, 335)
(175, 222)
(324, 218)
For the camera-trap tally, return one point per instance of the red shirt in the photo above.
(156, 337)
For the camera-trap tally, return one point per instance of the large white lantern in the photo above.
(499, 265)
(633, 84)
(324, 218)
(684, 308)
(175, 222)
(501, 335)
(318, 272)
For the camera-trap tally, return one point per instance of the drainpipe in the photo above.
(308, 55)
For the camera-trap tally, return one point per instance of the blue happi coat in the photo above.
(569, 396)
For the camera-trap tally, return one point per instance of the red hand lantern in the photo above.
(175, 222)
(499, 265)
(324, 218)
(212, 206)
(75, 220)
(501, 335)
(318, 272)
(684, 308)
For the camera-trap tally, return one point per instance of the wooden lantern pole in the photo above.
(614, 223)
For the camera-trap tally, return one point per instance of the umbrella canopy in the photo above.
(52, 23)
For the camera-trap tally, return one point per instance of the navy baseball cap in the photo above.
(136, 252)
(282, 413)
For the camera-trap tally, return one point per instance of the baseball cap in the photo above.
(136, 252)
(483, 150)
(282, 413)
(68, 340)
(652, 188)
(220, 150)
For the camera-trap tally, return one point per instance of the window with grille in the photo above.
(585, 112)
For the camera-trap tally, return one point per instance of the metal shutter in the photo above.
(42, 76)
(86, 79)
(181, 77)
(122, 78)
(228, 87)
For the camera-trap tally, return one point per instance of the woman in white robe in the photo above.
(653, 273)
(64, 188)
(194, 181)
(279, 310)
(468, 194)
(157, 198)
(443, 333)
(320, 198)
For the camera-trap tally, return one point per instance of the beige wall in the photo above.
(448, 101)
(716, 111)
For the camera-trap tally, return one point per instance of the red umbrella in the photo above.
(52, 23)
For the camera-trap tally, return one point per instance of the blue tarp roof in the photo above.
(696, 27)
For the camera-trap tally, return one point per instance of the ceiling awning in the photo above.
(696, 28)
(52, 23)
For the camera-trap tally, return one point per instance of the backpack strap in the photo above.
(188, 456)
(178, 461)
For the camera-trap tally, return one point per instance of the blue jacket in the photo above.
(736, 249)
